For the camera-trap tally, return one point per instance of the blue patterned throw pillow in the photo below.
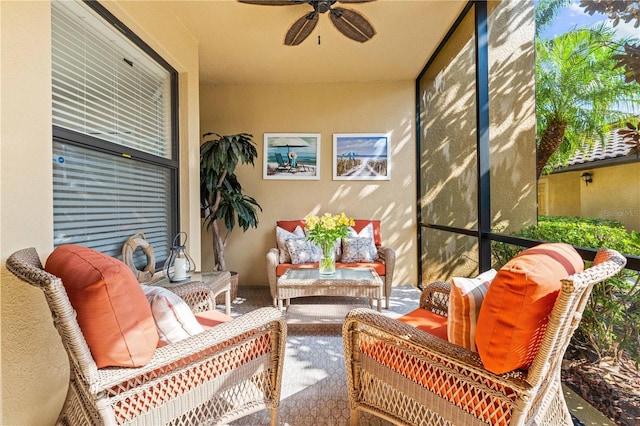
(303, 251)
(356, 249)
(366, 232)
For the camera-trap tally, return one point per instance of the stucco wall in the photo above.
(448, 156)
(34, 365)
(449, 159)
(562, 194)
(613, 194)
(325, 109)
(512, 115)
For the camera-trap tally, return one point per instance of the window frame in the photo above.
(172, 164)
(483, 234)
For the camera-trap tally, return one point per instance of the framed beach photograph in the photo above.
(291, 156)
(361, 156)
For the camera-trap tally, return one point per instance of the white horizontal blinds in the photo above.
(106, 87)
(110, 97)
(101, 200)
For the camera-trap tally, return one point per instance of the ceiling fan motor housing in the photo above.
(322, 6)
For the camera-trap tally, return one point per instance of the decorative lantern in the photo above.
(179, 265)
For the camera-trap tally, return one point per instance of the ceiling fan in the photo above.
(349, 22)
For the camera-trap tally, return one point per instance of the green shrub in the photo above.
(611, 321)
(589, 220)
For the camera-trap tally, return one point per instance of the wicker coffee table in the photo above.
(349, 282)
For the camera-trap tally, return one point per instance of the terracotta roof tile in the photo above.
(614, 148)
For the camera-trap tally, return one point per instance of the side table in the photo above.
(213, 283)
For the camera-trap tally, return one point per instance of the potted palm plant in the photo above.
(222, 199)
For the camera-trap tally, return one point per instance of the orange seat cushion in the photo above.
(516, 308)
(112, 310)
(212, 318)
(426, 320)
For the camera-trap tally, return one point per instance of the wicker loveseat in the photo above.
(384, 264)
(214, 377)
(411, 377)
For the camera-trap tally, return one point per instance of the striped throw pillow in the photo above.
(173, 317)
(465, 299)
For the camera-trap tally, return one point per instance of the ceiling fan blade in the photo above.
(301, 29)
(273, 2)
(352, 24)
(355, 1)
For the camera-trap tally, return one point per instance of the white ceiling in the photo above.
(243, 43)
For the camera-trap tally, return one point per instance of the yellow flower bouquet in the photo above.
(324, 231)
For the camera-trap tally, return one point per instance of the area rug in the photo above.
(322, 318)
(314, 381)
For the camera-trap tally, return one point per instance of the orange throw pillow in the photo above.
(515, 311)
(112, 310)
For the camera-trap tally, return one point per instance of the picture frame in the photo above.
(361, 156)
(291, 156)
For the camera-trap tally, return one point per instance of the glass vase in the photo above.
(327, 266)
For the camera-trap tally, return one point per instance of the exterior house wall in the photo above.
(563, 194)
(34, 365)
(613, 194)
(326, 109)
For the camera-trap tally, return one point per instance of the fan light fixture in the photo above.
(349, 22)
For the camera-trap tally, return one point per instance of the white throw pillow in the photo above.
(173, 317)
(366, 232)
(282, 235)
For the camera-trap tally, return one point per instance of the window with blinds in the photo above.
(114, 147)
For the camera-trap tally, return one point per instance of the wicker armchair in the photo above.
(215, 377)
(444, 384)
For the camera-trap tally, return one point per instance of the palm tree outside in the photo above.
(586, 86)
(580, 93)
